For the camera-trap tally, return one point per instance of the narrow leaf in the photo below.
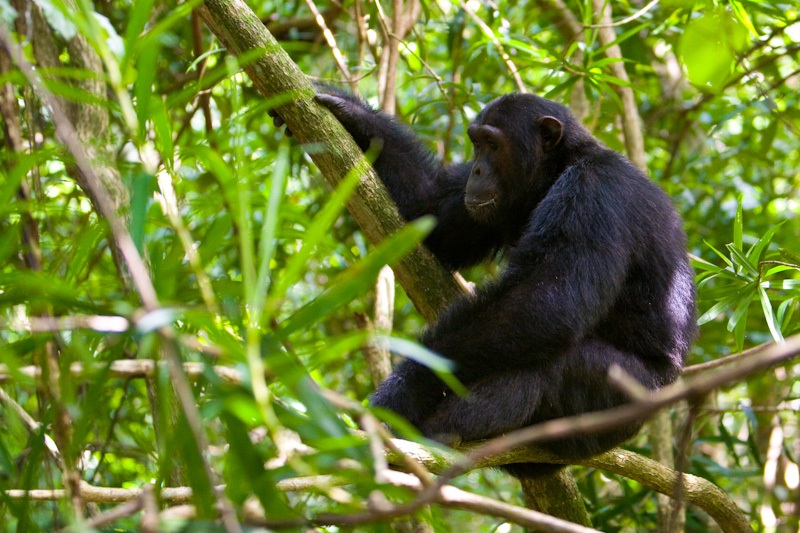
(755, 252)
(746, 295)
(718, 309)
(772, 323)
(724, 258)
(266, 246)
(784, 316)
(738, 226)
(359, 278)
(318, 231)
(441, 366)
(738, 256)
(741, 329)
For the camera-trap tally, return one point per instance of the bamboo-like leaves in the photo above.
(735, 285)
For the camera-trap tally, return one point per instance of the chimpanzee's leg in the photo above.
(574, 383)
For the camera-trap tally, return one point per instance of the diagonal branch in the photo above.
(277, 77)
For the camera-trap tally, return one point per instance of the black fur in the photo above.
(597, 273)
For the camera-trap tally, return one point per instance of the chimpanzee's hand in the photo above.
(360, 120)
(278, 121)
(348, 111)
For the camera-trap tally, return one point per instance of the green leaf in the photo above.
(266, 246)
(201, 57)
(137, 19)
(9, 238)
(9, 186)
(561, 87)
(318, 231)
(188, 453)
(142, 187)
(785, 312)
(610, 79)
(738, 256)
(778, 269)
(441, 366)
(718, 309)
(718, 293)
(772, 323)
(724, 258)
(738, 226)
(790, 256)
(709, 46)
(747, 294)
(213, 162)
(360, 277)
(742, 15)
(755, 252)
(249, 466)
(163, 128)
(740, 330)
(609, 60)
(600, 51)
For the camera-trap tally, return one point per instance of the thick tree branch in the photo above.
(427, 283)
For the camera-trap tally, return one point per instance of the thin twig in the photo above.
(33, 425)
(702, 367)
(338, 56)
(496, 42)
(633, 17)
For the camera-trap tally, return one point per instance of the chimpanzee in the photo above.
(597, 272)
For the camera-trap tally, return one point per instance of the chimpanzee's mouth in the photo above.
(482, 210)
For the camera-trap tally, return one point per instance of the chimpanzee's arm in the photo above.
(562, 279)
(417, 182)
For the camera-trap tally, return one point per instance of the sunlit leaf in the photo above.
(738, 226)
(746, 296)
(441, 366)
(763, 243)
(772, 323)
(709, 46)
(742, 15)
(785, 312)
(359, 277)
(718, 309)
(741, 260)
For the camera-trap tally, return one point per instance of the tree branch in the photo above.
(428, 284)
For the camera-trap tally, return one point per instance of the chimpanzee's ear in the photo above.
(552, 131)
